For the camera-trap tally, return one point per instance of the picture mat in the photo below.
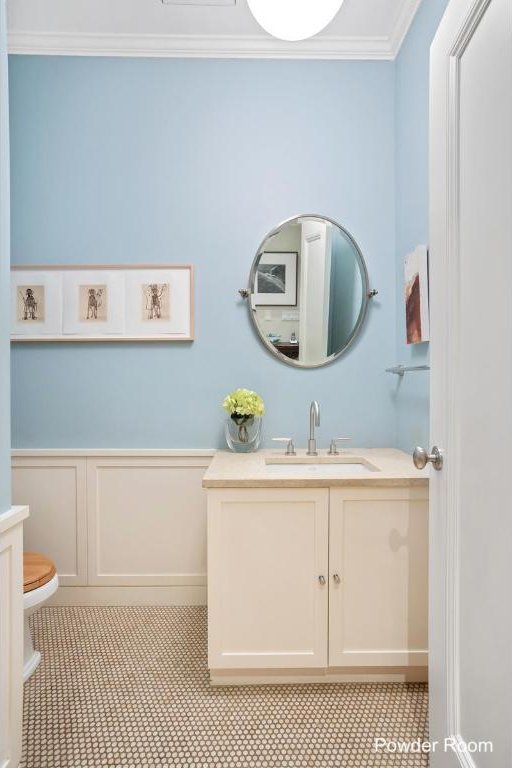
(179, 280)
(115, 322)
(52, 324)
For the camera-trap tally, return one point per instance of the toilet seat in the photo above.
(39, 595)
(38, 570)
(40, 581)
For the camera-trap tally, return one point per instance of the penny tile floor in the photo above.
(129, 687)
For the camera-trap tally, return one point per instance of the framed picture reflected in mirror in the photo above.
(276, 279)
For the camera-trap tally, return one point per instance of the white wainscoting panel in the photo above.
(147, 521)
(55, 491)
(123, 526)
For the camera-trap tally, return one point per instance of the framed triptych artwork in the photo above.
(103, 303)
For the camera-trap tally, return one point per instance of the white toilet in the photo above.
(40, 581)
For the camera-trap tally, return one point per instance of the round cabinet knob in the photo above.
(321, 579)
(421, 458)
(336, 578)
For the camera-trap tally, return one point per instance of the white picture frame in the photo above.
(275, 279)
(102, 303)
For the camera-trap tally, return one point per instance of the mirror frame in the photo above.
(367, 294)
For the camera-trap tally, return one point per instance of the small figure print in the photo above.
(154, 307)
(29, 300)
(156, 301)
(30, 303)
(93, 303)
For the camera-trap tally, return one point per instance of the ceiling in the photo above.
(363, 29)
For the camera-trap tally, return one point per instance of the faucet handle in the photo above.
(333, 450)
(290, 448)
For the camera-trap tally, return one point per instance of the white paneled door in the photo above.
(471, 281)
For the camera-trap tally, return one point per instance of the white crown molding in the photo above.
(214, 46)
(197, 46)
(403, 24)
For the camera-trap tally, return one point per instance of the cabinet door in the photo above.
(267, 607)
(378, 547)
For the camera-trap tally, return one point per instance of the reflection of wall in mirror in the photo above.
(345, 292)
(270, 318)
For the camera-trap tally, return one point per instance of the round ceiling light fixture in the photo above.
(294, 20)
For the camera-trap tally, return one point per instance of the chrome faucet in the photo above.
(314, 420)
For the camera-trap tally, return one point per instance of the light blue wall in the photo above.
(411, 152)
(5, 435)
(118, 160)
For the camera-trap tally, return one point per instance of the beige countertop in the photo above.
(271, 469)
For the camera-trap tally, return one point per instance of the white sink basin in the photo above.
(321, 470)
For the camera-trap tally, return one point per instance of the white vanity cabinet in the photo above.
(310, 583)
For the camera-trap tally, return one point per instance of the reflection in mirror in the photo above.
(309, 291)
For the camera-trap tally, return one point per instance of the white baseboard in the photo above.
(219, 677)
(103, 596)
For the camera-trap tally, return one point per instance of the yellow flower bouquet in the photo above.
(245, 408)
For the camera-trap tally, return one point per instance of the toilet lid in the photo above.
(37, 570)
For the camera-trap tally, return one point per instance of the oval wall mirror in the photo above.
(308, 291)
